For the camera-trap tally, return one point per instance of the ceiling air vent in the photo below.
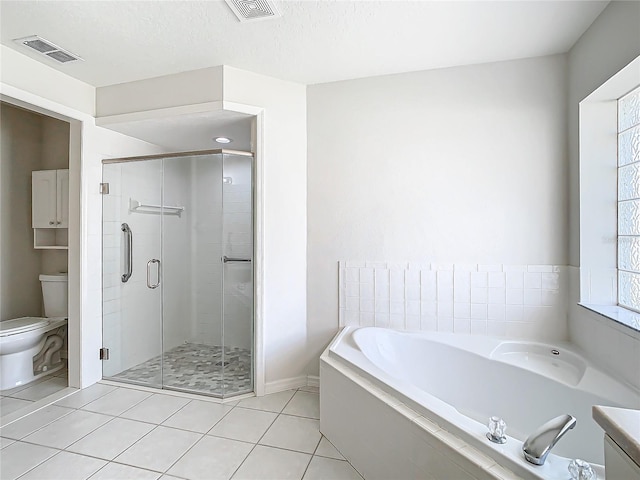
(248, 10)
(47, 48)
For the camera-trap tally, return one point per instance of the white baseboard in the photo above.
(291, 383)
(285, 384)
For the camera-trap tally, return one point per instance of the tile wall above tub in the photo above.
(521, 301)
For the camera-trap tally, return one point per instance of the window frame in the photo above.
(598, 138)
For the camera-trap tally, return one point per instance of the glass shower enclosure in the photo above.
(177, 280)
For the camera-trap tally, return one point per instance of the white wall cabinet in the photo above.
(50, 208)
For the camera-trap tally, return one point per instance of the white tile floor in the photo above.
(23, 396)
(109, 432)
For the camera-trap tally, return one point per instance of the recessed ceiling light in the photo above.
(223, 140)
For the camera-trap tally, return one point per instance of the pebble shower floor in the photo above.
(197, 367)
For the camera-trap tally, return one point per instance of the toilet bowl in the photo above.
(30, 346)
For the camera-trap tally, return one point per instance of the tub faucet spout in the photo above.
(542, 440)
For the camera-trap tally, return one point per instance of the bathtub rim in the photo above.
(415, 404)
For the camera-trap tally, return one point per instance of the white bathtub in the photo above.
(457, 382)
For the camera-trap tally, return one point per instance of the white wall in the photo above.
(55, 155)
(204, 85)
(463, 165)
(610, 43)
(284, 216)
(38, 79)
(20, 264)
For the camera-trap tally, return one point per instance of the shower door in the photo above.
(131, 269)
(184, 318)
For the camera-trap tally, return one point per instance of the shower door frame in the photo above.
(256, 202)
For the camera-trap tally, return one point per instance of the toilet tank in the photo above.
(55, 294)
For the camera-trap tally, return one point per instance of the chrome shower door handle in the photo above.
(149, 284)
(128, 256)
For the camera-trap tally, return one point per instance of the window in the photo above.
(609, 142)
(629, 201)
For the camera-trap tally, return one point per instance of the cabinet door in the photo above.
(62, 198)
(44, 199)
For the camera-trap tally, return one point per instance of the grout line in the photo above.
(156, 425)
(261, 437)
(314, 452)
(202, 435)
(71, 410)
(36, 466)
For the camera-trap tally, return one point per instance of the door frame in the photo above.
(80, 332)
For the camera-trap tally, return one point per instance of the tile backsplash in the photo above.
(521, 301)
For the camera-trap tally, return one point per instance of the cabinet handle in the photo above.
(52, 223)
(58, 223)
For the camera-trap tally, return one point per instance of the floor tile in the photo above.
(198, 416)
(67, 430)
(65, 466)
(19, 458)
(111, 439)
(326, 449)
(266, 462)
(212, 458)
(322, 468)
(12, 391)
(10, 404)
(117, 402)
(86, 395)
(293, 433)
(156, 408)
(5, 442)
(159, 449)
(34, 421)
(244, 424)
(274, 402)
(117, 471)
(304, 404)
(42, 389)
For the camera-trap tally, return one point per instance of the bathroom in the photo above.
(33, 143)
(483, 178)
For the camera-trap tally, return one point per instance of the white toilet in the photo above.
(30, 346)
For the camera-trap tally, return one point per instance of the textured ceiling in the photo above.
(313, 42)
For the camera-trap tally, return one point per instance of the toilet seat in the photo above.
(22, 325)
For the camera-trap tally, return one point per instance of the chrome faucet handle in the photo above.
(581, 470)
(497, 427)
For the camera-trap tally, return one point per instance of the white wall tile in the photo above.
(523, 300)
(496, 312)
(532, 280)
(496, 296)
(497, 280)
(515, 296)
(461, 310)
(515, 279)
